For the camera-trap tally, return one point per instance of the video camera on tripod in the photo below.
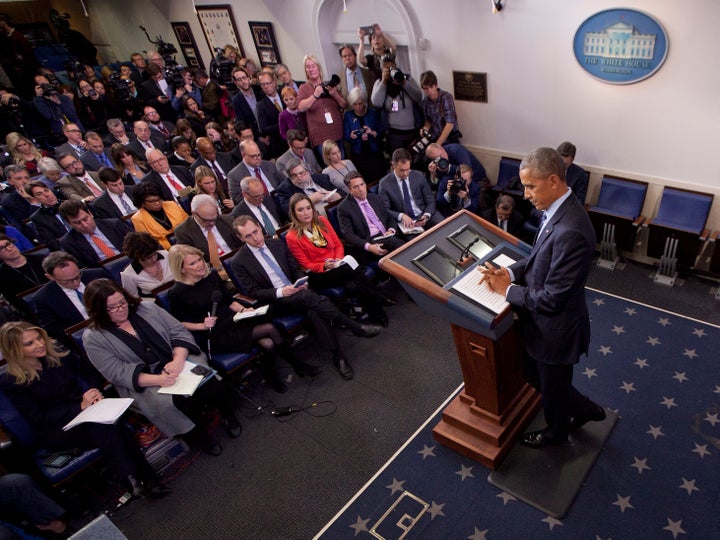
(173, 70)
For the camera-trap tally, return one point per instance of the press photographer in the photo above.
(54, 106)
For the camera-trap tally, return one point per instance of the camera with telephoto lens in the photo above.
(122, 88)
(221, 68)
(456, 185)
(397, 76)
(12, 105)
(442, 164)
(419, 146)
(332, 83)
(48, 90)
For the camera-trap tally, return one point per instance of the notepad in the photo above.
(186, 383)
(105, 411)
(249, 313)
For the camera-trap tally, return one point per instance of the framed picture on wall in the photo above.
(219, 27)
(189, 49)
(265, 43)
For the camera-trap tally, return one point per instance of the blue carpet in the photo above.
(657, 477)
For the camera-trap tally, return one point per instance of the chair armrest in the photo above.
(639, 221)
(714, 236)
(704, 235)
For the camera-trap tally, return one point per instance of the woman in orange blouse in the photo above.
(318, 250)
(156, 217)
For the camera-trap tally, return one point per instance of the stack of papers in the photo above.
(105, 411)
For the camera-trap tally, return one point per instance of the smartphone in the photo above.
(369, 30)
(201, 370)
(300, 282)
(56, 460)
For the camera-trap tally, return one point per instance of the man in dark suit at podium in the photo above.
(548, 289)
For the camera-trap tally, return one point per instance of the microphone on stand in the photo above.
(466, 251)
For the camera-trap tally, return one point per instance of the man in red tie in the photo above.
(174, 182)
(79, 185)
(252, 164)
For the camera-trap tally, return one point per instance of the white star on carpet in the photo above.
(712, 418)
(690, 353)
(664, 321)
(675, 527)
(435, 510)
(669, 402)
(598, 301)
(623, 503)
(464, 472)
(641, 362)
(478, 535)
(628, 387)
(641, 465)
(699, 332)
(701, 450)
(360, 525)
(397, 485)
(630, 311)
(618, 329)
(590, 373)
(506, 497)
(551, 521)
(605, 350)
(427, 451)
(689, 486)
(680, 376)
(655, 431)
(717, 389)
(653, 341)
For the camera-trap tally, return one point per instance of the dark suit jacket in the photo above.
(150, 92)
(241, 170)
(550, 289)
(65, 148)
(75, 243)
(74, 189)
(55, 311)
(244, 112)
(110, 139)
(169, 126)
(13, 282)
(49, 228)
(243, 209)
(17, 207)
(226, 162)
(180, 173)
(188, 232)
(138, 149)
(392, 198)
(514, 223)
(577, 179)
(287, 189)
(91, 161)
(104, 208)
(310, 160)
(253, 279)
(268, 125)
(446, 208)
(353, 225)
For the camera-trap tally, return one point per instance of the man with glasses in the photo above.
(297, 141)
(59, 303)
(245, 100)
(209, 231)
(174, 182)
(316, 186)
(268, 110)
(18, 272)
(158, 125)
(260, 205)
(75, 144)
(221, 163)
(91, 241)
(79, 185)
(252, 164)
(145, 139)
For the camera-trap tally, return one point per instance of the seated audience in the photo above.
(183, 128)
(155, 216)
(575, 176)
(174, 182)
(257, 203)
(220, 162)
(252, 164)
(194, 295)
(23, 501)
(21, 241)
(48, 222)
(149, 269)
(96, 155)
(206, 183)
(267, 270)
(439, 111)
(79, 184)
(50, 387)
(337, 167)
(158, 125)
(117, 201)
(182, 155)
(459, 191)
(75, 143)
(18, 272)
(51, 172)
(138, 346)
(17, 204)
(319, 252)
(91, 241)
(117, 134)
(128, 165)
(24, 152)
(145, 139)
(218, 136)
(361, 126)
(299, 180)
(504, 215)
(297, 143)
(290, 117)
(364, 218)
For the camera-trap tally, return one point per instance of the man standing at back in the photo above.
(548, 289)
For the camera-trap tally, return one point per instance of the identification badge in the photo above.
(328, 117)
(395, 106)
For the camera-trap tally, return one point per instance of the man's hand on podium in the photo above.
(498, 279)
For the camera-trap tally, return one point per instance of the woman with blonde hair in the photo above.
(24, 152)
(50, 387)
(322, 105)
(206, 182)
(337, 167)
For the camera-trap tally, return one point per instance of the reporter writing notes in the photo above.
(548, 289)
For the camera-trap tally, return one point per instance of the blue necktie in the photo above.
(103, 159)
(407, 201)
(543, 221)
(79, 295)
(274, 266)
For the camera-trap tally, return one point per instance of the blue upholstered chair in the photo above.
(115, 265)
(508, 170)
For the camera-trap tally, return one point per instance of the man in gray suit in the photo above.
(548, 289)
(407, 195)
(252, 164)
(297, 141)
(79, 185)
(75, 144)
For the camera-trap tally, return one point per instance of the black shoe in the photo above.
(594, 413)
(302, 369)
(389, 301)
(344, 368)
(157, 489)
(277, 383)
(136, 488)
(366, 330)
(381, 319)
(211, 446)
(540, 439)
(233, 427)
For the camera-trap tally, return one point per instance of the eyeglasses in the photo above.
(158, 160)
(6, 245)
(122, 304)
(72, 163)
(73, 131)
(69, 281)
(269, 83)
(208, 220)
(298, 174)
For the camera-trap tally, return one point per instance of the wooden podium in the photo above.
(482, 422)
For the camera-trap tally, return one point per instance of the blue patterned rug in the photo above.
(657, 477)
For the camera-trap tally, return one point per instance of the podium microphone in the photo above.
(466, 251)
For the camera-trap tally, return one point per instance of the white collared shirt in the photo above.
(73, 297)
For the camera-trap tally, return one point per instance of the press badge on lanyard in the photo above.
(328, 117)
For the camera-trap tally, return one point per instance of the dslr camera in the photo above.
(456, 185)
(443, 165)
(48, 90)
(419, 146)
(397, 76)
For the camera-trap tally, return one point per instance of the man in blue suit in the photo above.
(548, 289)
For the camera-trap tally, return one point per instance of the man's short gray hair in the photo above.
(201, 200)
(356, 94)
(46, 164)
(292, 163)
(544, 162)
(245, 183)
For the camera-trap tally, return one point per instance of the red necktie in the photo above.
(259, 177)
(174, 183)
